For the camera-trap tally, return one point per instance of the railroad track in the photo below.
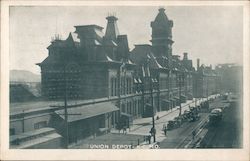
(187, 141)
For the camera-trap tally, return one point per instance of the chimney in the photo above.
(185, 56)
(198, 64)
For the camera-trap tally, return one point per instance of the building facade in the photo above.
(108, 86)
(207, 81)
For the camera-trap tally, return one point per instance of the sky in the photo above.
(212, 33)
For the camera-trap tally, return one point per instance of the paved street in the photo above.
(182, 137)
(228, 133)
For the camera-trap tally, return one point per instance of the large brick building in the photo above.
(108, 85)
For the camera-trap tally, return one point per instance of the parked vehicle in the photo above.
(194, 117)
(172, 124)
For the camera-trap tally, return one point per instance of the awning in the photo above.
(148, 104)
(125, 114)
(172, 99)
(87, 111)
(184, 96)
(164, 100)
(177, 98)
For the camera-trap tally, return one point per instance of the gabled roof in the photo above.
(154, 64)
(75, 37)
(69, 42)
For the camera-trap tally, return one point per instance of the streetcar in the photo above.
(215, 116)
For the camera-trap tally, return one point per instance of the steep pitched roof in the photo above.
(102, 56)
(112, 30)
(161, 16)
(154, 64)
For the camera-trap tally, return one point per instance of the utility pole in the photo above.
(152, 104)
(169, 79)
(180, 93)
(207, 87)
(66, 109)
(196, 91)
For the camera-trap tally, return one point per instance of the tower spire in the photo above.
(112, 30)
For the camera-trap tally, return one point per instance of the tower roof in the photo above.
(112, 30)
(161, 16)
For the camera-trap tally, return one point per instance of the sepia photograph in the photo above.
(126, 77)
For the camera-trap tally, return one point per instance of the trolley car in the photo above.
(215, 116)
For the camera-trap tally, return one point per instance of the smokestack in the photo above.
(198, 64)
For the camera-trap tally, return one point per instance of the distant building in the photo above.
(207, 81)
(231, 77)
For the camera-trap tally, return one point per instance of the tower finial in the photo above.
(161, 9)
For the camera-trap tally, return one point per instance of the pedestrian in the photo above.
(152, 131)
(193, 134)
(124, 129)
(165, 130)
(149, 139)
(163, 127)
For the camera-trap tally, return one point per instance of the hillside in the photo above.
(24, 76)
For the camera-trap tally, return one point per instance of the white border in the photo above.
(172, 154)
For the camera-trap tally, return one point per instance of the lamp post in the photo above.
(149, 76)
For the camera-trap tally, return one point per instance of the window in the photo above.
(40, 125)
(115, 86)
(127, 85)
(112, 85)
(12, 131)
(123, 108)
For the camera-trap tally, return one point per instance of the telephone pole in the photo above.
(152, 104)
(66, 109)
(180, 93)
